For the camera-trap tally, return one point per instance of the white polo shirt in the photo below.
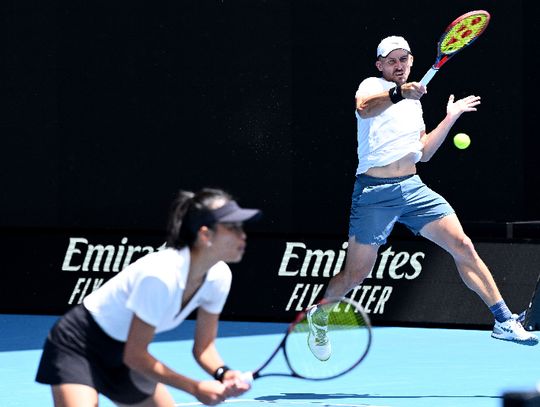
(152, 288)
(390, 135)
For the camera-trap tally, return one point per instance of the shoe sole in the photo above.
(527, 342)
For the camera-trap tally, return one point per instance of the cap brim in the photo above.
(241, 215)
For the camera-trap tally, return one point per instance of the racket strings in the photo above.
(348, 334)
(463, 33)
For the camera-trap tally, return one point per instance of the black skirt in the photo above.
(78, 351)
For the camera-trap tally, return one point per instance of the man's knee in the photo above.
(463, 247)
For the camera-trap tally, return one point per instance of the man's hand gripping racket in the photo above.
(461, 33)
(338, 331)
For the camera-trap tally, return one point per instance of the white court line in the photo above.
(276, 403)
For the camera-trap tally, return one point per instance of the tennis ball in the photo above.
(462, 141)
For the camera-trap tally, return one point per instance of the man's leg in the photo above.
(360, 260)
(448, 233)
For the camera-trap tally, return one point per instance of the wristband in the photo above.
(220, 372)
(395, 94)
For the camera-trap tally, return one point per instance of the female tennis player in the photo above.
(101, 346)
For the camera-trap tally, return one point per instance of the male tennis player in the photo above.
(101, 346)
(391, 139)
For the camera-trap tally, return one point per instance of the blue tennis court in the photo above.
(406, 367)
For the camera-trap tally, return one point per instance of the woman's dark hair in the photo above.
(190, 211)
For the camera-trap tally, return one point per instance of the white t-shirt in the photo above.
(152, 288)
(390, 135)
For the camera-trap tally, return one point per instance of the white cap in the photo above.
(391, 43)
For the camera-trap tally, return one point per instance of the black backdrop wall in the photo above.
(107, 108)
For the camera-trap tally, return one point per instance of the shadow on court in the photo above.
(337, 396)
(310, 396)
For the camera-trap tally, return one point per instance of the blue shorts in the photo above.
(378, 203)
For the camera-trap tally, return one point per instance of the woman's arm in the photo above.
(207, 355)
(204, 346)
(137, 357)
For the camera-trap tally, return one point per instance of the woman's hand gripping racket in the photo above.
(458, 35)
(338, 331)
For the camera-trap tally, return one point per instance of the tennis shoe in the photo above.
(512, 330)
(318, 340)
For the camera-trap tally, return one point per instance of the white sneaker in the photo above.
(511, 330)
(318, 340)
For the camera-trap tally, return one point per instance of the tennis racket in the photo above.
(461, 33)
(349, 333)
